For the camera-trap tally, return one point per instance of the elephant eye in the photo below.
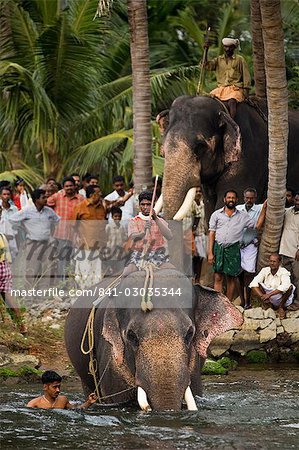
(189, 336)
(132, 338)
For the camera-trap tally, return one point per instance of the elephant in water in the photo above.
(203, 145)
(153, 357)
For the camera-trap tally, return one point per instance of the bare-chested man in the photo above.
(52, 398)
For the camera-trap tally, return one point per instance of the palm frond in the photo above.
(28, 174)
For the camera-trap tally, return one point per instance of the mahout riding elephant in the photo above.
(203, 145)
(151, 356)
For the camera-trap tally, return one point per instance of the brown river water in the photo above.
(247, 409)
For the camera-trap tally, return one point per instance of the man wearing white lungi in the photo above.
(249, 245)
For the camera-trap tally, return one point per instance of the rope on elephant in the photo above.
(258, 109)
(92, 362)
(110, 286)
(146, 300)
(221, 103)
(89, 333)
(117, 393)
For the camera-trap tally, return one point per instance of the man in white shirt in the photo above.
(39, 222)
(249, 245)
(125, 200)
(273, 285)
(7, 209)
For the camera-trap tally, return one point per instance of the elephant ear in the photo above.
(231, 138)
(111, 333)
(214, 314)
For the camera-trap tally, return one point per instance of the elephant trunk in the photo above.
(162, 373)
(181, 172)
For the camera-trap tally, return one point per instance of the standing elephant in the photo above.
(203, 145)
(151, 356)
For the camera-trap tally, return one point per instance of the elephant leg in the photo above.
(232, 107)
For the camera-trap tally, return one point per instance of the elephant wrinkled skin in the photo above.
(158, 350)
(203, 145)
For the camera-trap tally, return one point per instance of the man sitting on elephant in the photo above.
(226, 230)
(232, 74)
(147, 233)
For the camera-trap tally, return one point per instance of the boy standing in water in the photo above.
(52, 398)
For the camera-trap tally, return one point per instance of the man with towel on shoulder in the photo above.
(232, 74)
(249, 244)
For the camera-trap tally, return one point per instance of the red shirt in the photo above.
(64, 208)
(156, 239)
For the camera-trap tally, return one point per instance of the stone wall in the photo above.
(261, 329)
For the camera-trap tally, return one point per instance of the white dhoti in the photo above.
(201, 245)
(88, 270)
(248, 258)
(276, 299)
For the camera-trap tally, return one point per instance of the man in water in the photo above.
(52, 398)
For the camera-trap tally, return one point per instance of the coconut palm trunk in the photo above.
(258, 49)
(277, 97)
(141, 94)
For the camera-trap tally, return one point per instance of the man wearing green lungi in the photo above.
(226, 229)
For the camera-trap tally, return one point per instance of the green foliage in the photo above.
(257, 357)
(29, 372)
(24, 372)
(66, 84)
(5, 373)
(213, 368)
(228, 363)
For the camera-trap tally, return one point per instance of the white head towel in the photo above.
(230, 41)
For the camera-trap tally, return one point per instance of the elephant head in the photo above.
(200, 141)
(160, 349)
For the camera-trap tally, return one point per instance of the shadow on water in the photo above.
(248, 409)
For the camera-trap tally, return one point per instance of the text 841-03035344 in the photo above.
(136, 292)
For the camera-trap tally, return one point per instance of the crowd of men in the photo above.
(72, 227)
(233, 250)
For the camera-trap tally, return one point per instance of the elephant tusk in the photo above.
(159, 204)
(184, 209)
(191, 405)
(142, 400)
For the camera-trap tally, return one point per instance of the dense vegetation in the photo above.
(66, 88)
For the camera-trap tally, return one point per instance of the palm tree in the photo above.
(258, 49)
(277, 98)
(141, 94)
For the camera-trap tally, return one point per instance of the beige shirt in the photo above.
(280, 281)
(289, 243)
(230, 71)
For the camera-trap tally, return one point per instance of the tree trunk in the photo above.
(141, 94)
(258, 49)
(277, 97)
